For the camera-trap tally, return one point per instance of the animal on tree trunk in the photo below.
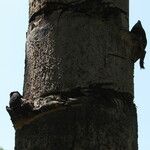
(15, 100)
(140, 36)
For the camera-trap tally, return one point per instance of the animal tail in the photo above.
(142, 60)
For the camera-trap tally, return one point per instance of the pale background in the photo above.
(13, 27)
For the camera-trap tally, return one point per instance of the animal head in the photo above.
(15, 93)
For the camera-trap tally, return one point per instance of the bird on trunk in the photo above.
(15, 100)
(139, 34)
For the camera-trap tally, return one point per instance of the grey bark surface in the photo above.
(79, 46)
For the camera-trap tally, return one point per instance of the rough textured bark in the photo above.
(79, 58)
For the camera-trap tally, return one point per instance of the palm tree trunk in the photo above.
(79, 77)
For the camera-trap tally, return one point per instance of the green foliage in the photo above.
(1, 148)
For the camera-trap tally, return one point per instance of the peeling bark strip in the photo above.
(26, 111)
(78, 83)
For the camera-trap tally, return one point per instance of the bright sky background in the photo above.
(13, 27)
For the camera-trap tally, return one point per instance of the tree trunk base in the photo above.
(98, 124)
